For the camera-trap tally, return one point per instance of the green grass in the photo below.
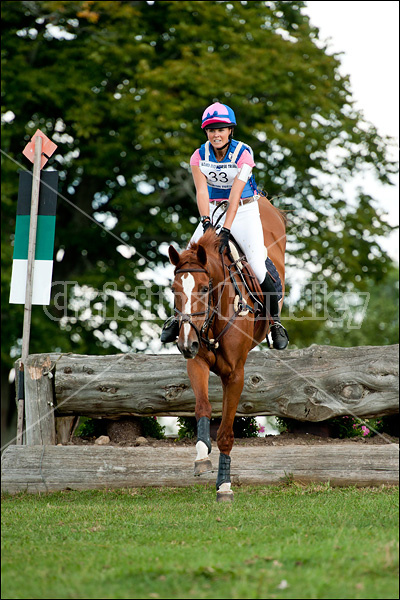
(179, 543)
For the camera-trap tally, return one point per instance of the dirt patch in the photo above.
(284, 439)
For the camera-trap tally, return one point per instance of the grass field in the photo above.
(272, 542)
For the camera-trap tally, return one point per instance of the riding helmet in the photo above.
(218, 115)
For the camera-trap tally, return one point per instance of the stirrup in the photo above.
(280, 336)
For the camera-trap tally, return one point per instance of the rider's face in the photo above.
(218, 137)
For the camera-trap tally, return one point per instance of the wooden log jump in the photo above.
(53, 468)
(312, 384)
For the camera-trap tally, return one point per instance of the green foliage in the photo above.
(120, 87)
(95, 427)
(187, 428)
(349, 427)
(91, 427)
(179, 543)
(365, 316)
(152, 428)
(390, 425)
(245, 427)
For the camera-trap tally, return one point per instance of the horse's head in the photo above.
(192, 292)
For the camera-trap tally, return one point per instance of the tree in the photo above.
(354, 318)
(120, 87)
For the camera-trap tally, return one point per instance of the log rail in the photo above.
(312, 384)
(37, 469)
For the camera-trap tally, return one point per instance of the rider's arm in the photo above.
(203, 199)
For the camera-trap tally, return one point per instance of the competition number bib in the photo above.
(219, 175)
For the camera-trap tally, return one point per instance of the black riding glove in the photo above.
(206, 224)
(224, 239)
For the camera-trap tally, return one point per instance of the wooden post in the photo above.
(39, 413)
(65, 427)
(29, 284)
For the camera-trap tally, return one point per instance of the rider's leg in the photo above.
(280, 338)
(248, 232)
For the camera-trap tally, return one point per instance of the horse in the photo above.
(220, 320)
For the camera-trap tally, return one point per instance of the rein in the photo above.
(212, 311)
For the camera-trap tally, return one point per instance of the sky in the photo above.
(368, 35)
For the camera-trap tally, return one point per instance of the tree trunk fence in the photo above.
(312, 384)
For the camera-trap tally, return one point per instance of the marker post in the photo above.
(26, 331)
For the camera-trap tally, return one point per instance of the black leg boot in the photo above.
(280, 337)
(170, 330)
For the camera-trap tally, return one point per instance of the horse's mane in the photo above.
(282, 214)
(209, 241)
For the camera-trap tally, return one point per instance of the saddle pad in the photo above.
(237, 253)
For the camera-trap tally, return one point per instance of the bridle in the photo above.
(209, 312)
(202, 333)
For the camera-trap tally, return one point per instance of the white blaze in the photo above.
(188, 285)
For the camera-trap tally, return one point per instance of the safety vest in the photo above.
(220, 175)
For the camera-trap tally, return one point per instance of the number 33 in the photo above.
(221, 176)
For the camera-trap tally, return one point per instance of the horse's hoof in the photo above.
(224, 496)
(202, 466)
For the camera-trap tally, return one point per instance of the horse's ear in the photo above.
(201, 255)
(173, 255)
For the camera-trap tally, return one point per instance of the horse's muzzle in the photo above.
(190, 350)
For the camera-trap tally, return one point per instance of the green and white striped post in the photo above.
(33, 250)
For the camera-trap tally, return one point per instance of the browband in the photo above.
(191, 271)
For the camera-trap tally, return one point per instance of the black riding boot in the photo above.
(280, 337)
(170, 330)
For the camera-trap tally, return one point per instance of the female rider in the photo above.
(222, 170)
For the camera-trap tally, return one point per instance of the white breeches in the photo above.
(248, 232)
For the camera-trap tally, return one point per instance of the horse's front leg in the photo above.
(199, 373)
(232, 386)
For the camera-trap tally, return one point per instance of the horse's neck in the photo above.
(222, 284)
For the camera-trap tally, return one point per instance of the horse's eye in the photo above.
(204, 289)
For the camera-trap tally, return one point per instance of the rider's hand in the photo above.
(224, 239)
(206, 224)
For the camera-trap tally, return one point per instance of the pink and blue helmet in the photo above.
(218, 115)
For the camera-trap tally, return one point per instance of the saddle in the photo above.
(274, 231)
(246, 273)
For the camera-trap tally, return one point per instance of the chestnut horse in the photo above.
(219, 325)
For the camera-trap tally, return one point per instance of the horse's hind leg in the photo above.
(199, 373)
(233, 386)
